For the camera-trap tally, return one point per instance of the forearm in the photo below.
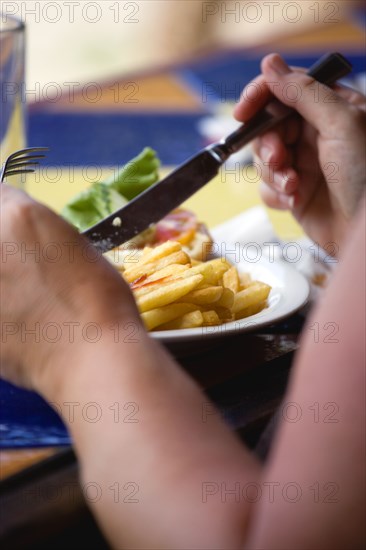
(317, 458)
(158, 442)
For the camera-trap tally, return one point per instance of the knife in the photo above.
(156, 202)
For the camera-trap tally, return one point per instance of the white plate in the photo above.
(290, 291)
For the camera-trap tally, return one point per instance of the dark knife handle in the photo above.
(327, 70)
(330, 68)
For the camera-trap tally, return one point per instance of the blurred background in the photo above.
(76, 41)
(106, 78)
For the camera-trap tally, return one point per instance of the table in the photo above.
(248, 391)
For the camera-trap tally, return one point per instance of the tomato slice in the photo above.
(180, 225)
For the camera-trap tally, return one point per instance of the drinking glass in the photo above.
(12, 89)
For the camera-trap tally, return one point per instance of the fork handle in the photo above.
(327, 70)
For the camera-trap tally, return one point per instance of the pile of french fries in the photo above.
(173, 291)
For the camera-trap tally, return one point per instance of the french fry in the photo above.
(210, 318)
(146, 250)
(172, 291)
(139, 270)
(220, 266)
(245, 281)
(168, 293)
(251, 310)
(147, 288)
(250, 296)
(172, 270)
(204, 296)
(161, 315)
(212, 270)
(224, 313)
(162, 251)
(159, 278)
(226, 299)
(203, 268)
(230, 279)
(189, 320)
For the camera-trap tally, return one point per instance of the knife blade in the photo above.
(156, 202)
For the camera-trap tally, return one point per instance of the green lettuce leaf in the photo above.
(92, 205)
(137, 175)
(103, 198)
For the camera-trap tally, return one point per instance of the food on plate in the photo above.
(175, 284)
(181, 226)
(184, 227)
(103, 198)
(174, 291)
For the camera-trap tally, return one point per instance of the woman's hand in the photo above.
(314, 165)
(57, 293)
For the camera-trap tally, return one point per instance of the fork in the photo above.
(22, 162)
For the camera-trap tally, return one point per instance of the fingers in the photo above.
(324, 108)
(351, 96)
(282, 179)
(274, 199)
(271, 150)
(274, 146)
(254, 97)
(319, 105)
(274, 161)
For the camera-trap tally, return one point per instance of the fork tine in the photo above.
(22, 171)
(26, 157)
(20, 164)
(20, 160)
(26, 151)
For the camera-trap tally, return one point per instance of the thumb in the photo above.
(319, 105)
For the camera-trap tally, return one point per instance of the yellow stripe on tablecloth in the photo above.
(137, 95)
(229, 194)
